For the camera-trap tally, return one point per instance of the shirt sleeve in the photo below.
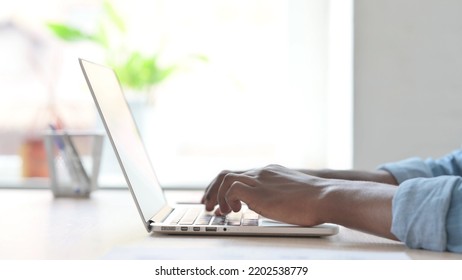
(427, 213)
(450, 164)
(427, 207)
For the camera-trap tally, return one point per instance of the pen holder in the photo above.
(74, 161)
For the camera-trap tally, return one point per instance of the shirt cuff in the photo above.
(408, 169)
(453, 220)
(420, 210)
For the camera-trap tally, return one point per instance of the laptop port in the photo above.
(210, 229)
(184, 228)
(196, 228)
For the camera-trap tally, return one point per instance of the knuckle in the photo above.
(229, 178)
(272, 166)
(267, 170)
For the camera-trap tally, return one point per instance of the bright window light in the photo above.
(273, 84)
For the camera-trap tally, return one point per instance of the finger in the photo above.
(210, 195)
(239, 192)
(218, 212)
(228, 181)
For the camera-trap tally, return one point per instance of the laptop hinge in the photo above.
(161, 215)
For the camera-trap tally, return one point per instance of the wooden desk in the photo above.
(34, 225)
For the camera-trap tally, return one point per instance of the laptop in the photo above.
(156, 214)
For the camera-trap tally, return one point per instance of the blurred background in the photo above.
(235, 84)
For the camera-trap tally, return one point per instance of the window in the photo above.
(275, 86)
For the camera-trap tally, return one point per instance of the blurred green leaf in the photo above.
(139, 71)
(68, 33)
(114, 16)
(135, 69)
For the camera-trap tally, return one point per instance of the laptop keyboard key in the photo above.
(204, 219)
(219, 221)
(190, 216)
(249, 214)
(234, 219)
(176, 216)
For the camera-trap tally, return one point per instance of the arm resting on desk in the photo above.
(382, 209)
(294, 197)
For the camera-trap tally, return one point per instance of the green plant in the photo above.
(135, 69)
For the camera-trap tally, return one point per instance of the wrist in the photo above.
(333, 202)
(364, 206)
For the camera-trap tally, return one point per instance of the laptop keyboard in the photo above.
(197, 216)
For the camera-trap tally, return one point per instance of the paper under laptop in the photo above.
(157, 215)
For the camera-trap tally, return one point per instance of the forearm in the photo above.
(379, 176)
(364, 206)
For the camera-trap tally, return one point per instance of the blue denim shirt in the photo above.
(427, 207)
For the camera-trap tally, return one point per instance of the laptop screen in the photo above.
(125, 138)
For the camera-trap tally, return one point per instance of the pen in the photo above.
(58, 140)
(79, 169)
(72, 160)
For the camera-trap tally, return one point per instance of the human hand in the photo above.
(274, 191)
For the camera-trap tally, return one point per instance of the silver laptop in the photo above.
(157, 215)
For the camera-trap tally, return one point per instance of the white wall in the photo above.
(407, 79)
